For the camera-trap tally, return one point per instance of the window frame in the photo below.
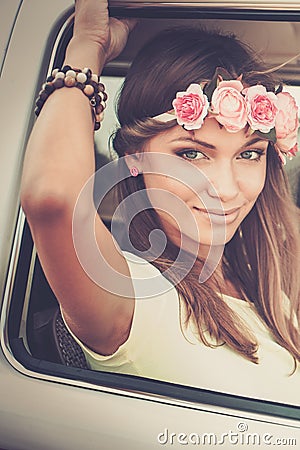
(22, 255)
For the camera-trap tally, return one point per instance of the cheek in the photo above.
(251, 190)
(157, 185)
(251, 184)
(170, 199)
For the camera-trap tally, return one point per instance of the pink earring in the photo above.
(134, 171)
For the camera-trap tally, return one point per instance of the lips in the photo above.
(220, 216)
(220, 212)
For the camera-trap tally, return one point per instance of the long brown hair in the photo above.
(262, 259)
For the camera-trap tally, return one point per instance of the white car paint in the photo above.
(50, 413)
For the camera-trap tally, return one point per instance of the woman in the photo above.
(203, 132)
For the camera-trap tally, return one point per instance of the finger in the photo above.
(130, 24)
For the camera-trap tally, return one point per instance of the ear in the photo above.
(134, 163)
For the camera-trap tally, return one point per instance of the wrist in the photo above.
(88, 82)
(82, 52)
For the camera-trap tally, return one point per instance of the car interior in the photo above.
(35, 329)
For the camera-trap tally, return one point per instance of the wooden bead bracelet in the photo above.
(88, 82)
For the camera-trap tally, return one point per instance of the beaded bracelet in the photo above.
(85, 80)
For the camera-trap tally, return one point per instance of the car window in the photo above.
(277, 49)
(35, 334)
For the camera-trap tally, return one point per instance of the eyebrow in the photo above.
(212, 147)
(194, 141)
(254, 141)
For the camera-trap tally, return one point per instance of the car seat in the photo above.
(53, 342)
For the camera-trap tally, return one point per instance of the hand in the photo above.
(93, 24)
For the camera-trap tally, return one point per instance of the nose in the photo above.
(223, 183)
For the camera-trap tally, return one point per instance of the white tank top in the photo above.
(157, 348)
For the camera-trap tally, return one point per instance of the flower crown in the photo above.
(273, 116)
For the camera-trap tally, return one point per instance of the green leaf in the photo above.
(279, 89)
(271, 136)
(223, 73)
(210, 87)
(219, 75)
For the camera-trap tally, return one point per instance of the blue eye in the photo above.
(191, 154)
(253, 155)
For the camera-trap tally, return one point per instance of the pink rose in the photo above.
(261, 108)
(287, 118)
(191, 107)
(229, 105)
(283, 154)
(293, 151)
(287, 124)
(289, 142)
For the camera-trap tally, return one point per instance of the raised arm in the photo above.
(59, 160)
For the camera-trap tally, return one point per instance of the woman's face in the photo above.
(219, 195)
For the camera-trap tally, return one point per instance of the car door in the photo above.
(46, 404)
